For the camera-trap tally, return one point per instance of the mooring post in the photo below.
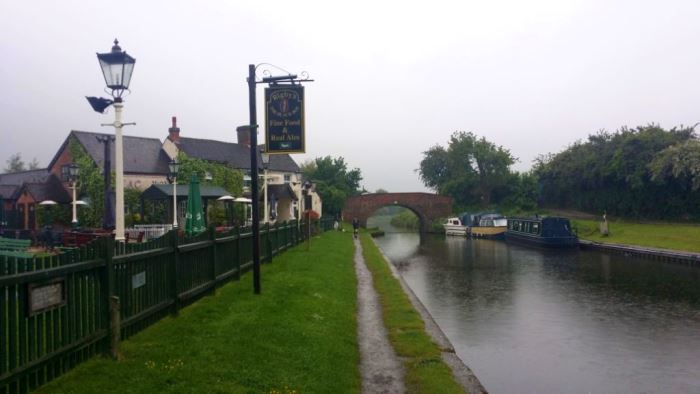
(115, 325)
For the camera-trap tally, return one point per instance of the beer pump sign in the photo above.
(284, 119)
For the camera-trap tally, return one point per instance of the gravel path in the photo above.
(380, 368)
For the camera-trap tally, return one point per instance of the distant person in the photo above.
(355, 226)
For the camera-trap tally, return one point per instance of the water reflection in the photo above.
(529, 320)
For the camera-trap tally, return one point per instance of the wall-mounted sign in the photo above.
(284, 119)
(45, 296)
(138, 280)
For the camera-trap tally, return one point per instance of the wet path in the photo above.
(380, 368)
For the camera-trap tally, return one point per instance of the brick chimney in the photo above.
(243, 135)
(174, 132)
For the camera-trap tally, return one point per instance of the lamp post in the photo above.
(306, 187)
(174, 168)
(73, 172)
(266, 163)
(117, 68)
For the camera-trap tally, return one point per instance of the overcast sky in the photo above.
(392, 77)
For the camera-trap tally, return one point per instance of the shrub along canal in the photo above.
(528, 320)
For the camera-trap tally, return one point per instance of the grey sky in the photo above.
(392, 78)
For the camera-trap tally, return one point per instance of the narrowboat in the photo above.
(548, 232)
(454, 226)
(490, 225)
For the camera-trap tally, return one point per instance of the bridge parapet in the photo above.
(426, 206)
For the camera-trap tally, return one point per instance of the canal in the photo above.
(538, 321)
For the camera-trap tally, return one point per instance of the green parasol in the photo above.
(194, 218)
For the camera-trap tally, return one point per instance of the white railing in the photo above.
(152, 230)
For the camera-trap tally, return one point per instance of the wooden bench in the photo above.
(14, 244)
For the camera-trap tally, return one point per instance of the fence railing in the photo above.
(55, 309)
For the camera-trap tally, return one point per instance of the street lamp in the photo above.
(117, 68)
(266, 163)
(305, 188)
(73, 173)
(174, 168)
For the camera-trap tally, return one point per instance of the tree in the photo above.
(681, 163)
(334, 182)
(381, 191)
(645, 172)
(15, 163)
(470, 170)
(34, 165)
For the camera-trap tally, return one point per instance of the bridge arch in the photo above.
(426, 206)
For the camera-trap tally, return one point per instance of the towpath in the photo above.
(380, 367)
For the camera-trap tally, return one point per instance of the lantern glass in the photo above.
(117, 67)
(174, 168)
(73, 171)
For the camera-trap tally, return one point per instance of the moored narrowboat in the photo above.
(548, 232)
(490, 225)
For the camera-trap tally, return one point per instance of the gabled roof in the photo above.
(232, 154)
(141, 155)
(18, 178)
(52, 189)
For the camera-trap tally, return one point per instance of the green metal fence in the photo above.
(55, 309)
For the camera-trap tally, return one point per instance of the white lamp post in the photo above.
(266, 163)
(73, 172)
(174, 168)
(117, 68)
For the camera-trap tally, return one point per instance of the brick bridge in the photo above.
(426, 206)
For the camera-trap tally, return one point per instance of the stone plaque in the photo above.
(138, 280)
(45, 296)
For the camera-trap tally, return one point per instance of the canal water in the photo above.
(537, 321)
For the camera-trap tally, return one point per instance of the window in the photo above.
(287, 178)
(246, 181)
(65, 172)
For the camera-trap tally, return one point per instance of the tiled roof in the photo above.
(7, 191)
(18, 178)
(234, 155)
(52, 189)
(141, 155)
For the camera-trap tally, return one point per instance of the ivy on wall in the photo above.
(91, 185)
(221, 175)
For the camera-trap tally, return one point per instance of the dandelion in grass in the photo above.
(150, 364)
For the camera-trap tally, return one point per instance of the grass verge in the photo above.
(425, 370)
(673, 236)
(299, 335)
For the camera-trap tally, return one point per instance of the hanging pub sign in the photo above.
(284, 119)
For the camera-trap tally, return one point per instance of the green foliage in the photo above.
(406, 219)
(91, 184)
(681, 163)
(334, 182)
(472, 170)
(222, 175)
(613, 172)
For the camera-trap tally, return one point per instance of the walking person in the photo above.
(355, 226)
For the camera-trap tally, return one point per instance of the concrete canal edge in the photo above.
(666, 255)
(462, 373)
